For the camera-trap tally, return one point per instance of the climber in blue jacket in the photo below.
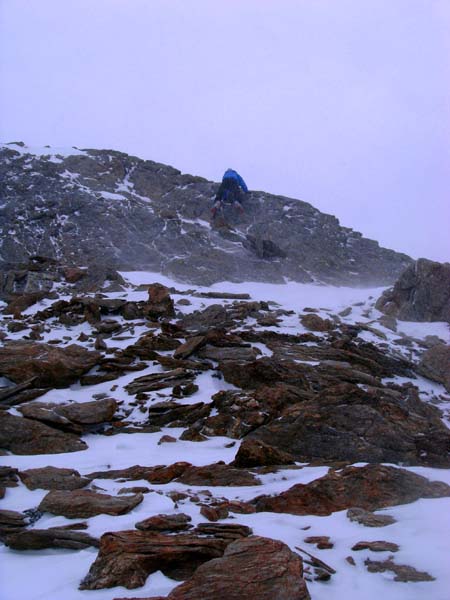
(230, 191)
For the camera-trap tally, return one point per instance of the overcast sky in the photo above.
(342, 103)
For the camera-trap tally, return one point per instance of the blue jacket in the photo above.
(232, 174)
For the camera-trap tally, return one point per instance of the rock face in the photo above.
(253, 567)
(373, 425)
(109, 208)
(52, 366)
(371, 487)
(422, 293)
(23, 436)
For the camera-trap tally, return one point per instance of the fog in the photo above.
(345, 105)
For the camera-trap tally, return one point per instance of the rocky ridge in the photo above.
(105, 207)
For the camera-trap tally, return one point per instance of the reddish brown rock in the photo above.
(253, 453)
(370, 487)
(160, 304)
(177, 522)
(127, 557)
(53, 478)
(214, 513)
(377, 546)
(85, 503)
(51, 365)
(217, 475)
(24, 436)
(315, 323)
(252, 567)
(322, 542)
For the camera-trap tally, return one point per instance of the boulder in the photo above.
(160, 304)
(86, 503)
(253, 567)
(435, 364)
(12, 521)
(313, 322)
(254, 453)
(422, 293)
(24, 436)
(371, 487)
(53, 478)
(51, 365)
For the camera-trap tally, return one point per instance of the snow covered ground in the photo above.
(422, 528)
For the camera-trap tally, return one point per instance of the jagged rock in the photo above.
(368, 518)
(422, 293)
(177, 522)
(53, 478)
(217, 474)
(214, 316)
(315, 323)
(370, 487)
(51, 365)
(189, 346)
(166, 224)
(254, 453)
(403, 573)
(24, 436)
(214, 513)
(378, 546)
(239, 413)
(346, 422)
(163, 413)
(126, 558)
(253, 567)
(160, 304)
(85, 503)
(39, 539)
(264, 371)
(435, 364)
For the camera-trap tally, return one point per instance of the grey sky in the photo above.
(342, 103)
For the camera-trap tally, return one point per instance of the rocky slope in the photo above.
(202, 443)
(108, 208)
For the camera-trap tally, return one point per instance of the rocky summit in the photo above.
(105, 207)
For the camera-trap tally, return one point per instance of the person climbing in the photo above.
(230, 192)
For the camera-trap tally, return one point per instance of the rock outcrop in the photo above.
(422, 293)
(111, 209)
